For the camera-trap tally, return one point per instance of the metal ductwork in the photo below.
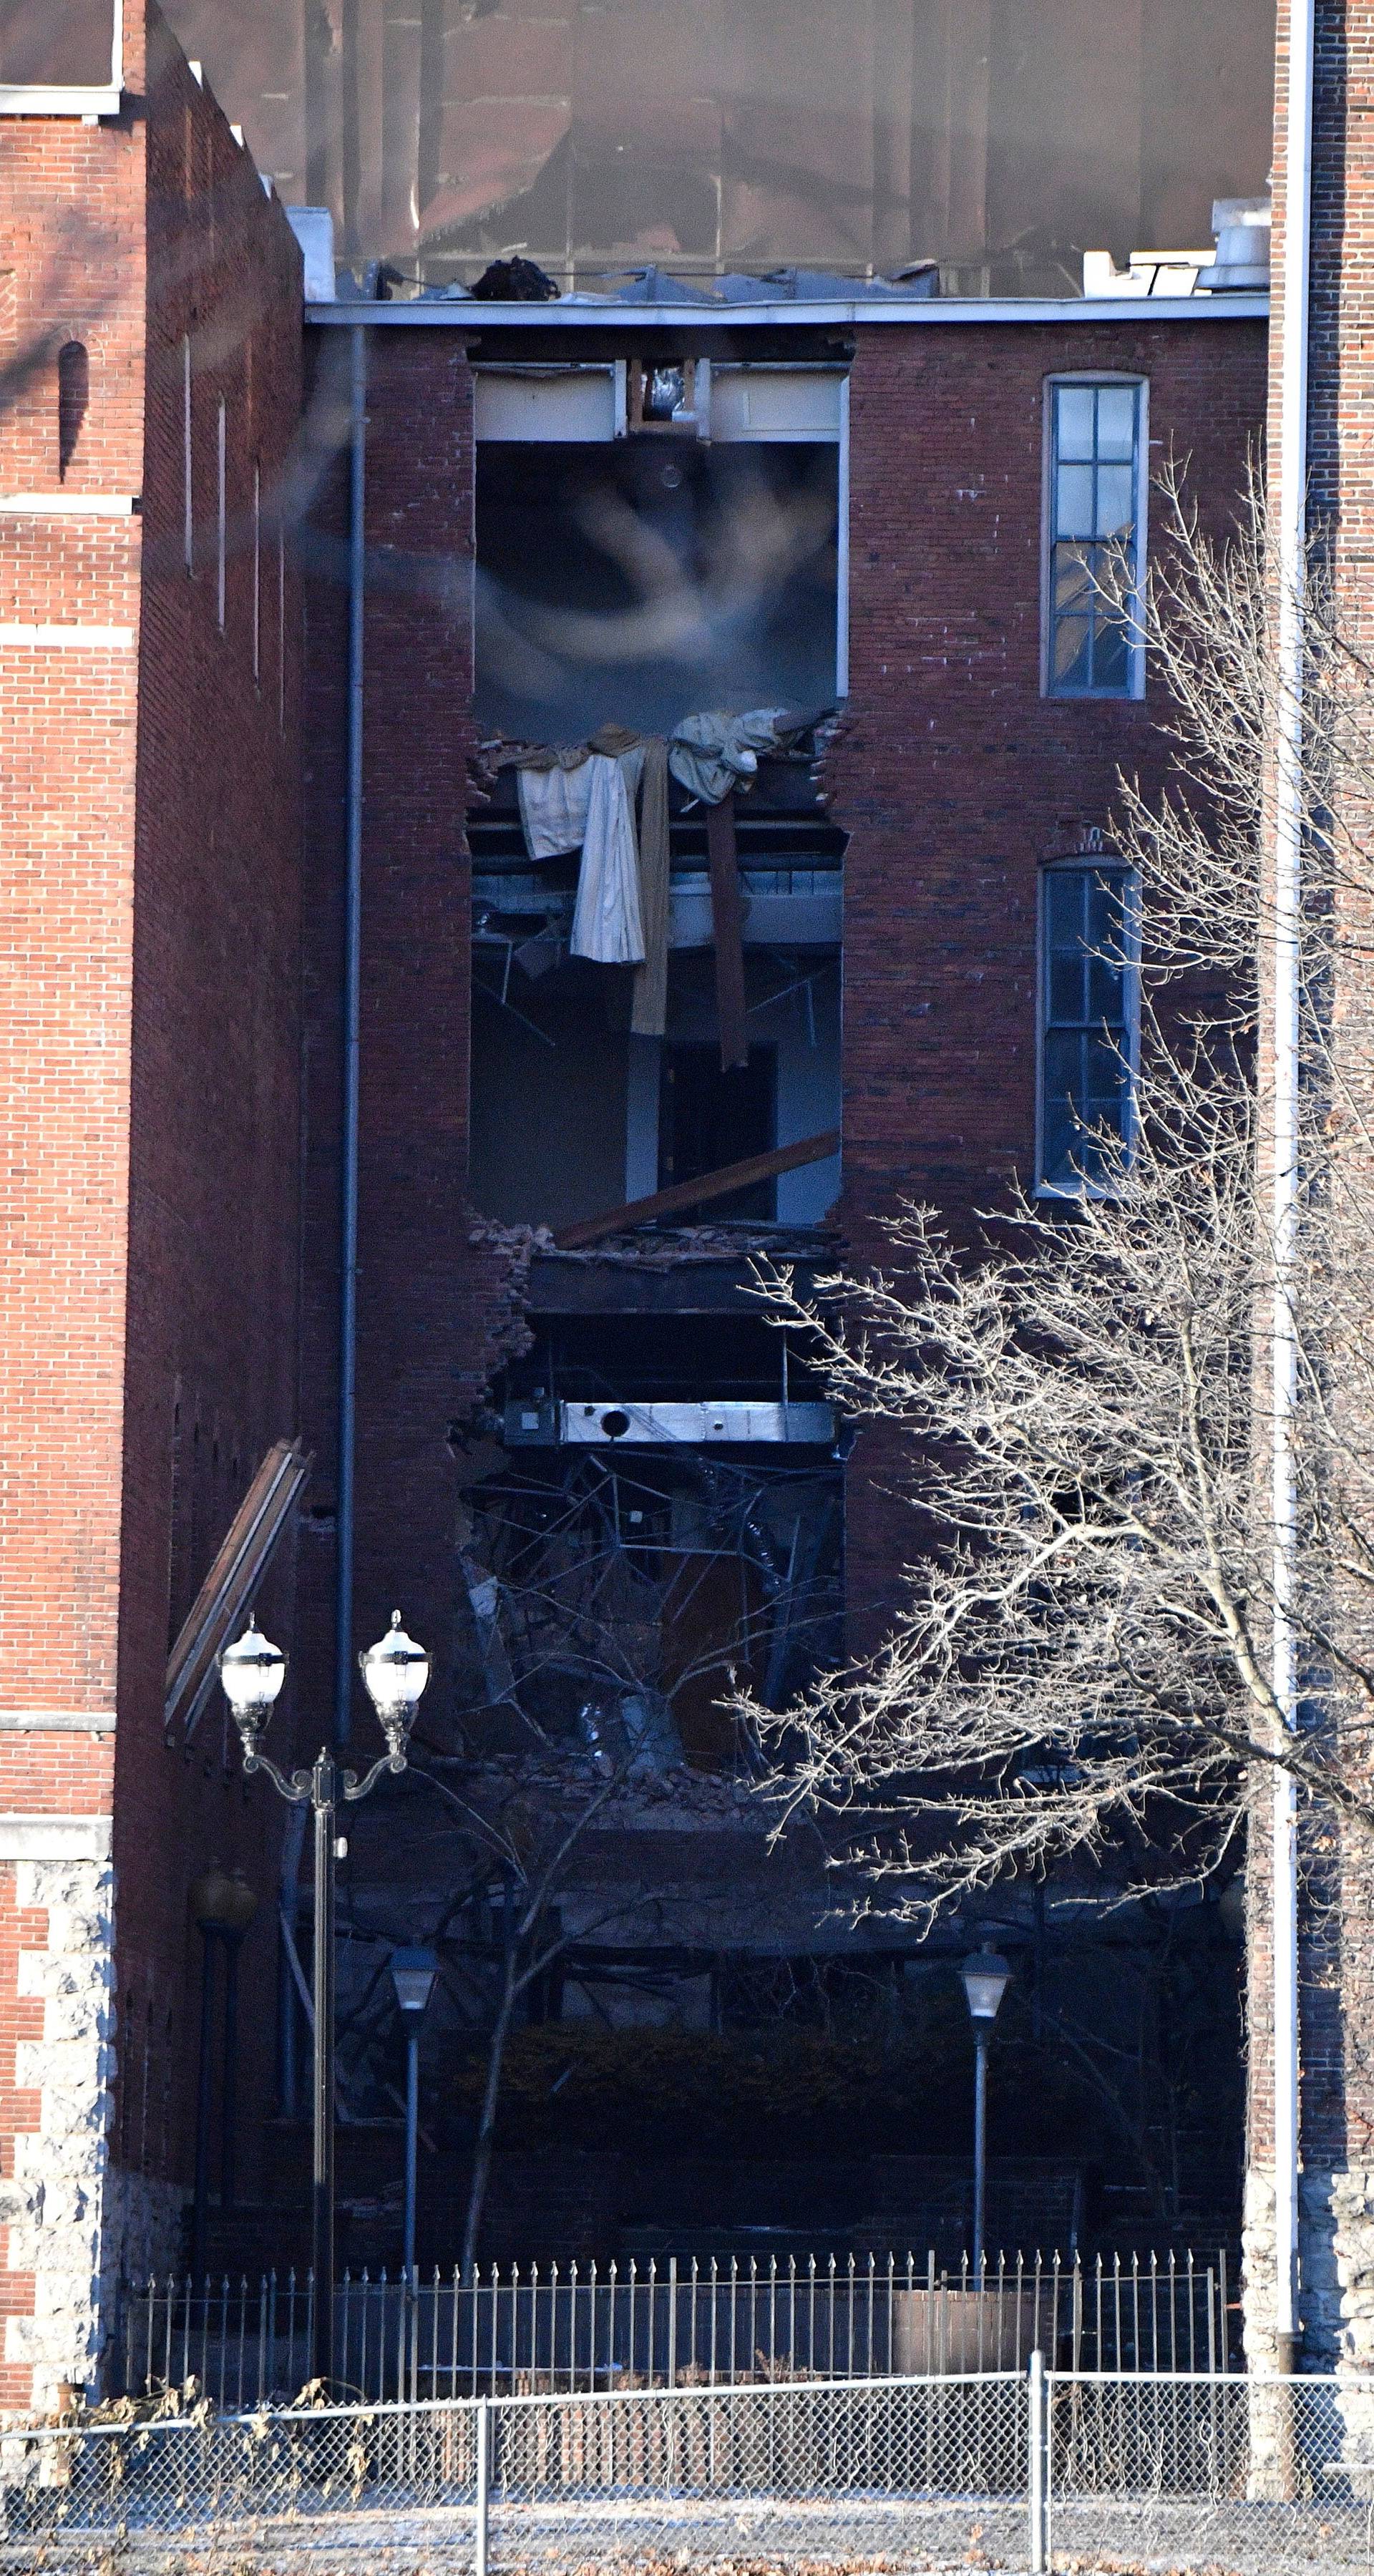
(733, 1422)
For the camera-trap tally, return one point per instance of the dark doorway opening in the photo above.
(709, 1118)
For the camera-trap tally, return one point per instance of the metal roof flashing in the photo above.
(466, 313)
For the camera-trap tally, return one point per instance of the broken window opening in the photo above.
(572, 1113)
(568, 1097)
(617, 1604)
(626, 588)
(642, 580)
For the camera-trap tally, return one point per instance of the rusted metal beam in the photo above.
(700, 1192)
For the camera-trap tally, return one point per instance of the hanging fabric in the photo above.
(607, 925)
(711, 754)
(553, 808)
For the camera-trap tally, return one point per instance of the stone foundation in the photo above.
(1257, 2268)
(143, 2226)
(54, 2207)
(1336, 2259)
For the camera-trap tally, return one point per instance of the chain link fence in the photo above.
(1020, 2470)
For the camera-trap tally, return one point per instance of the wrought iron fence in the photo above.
(496, 2332)
(1128, 2471)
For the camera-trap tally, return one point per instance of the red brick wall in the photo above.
(211, 1363)
(71, 216)
(149, 1016)
(954, 777)
(422, 1316)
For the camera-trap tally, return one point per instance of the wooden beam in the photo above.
(727, 930)
(700, 1192)
(238, 1567)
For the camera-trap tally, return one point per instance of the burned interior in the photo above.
(657, 566)
(656, 988)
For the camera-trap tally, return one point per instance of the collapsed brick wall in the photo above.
(953, 776)
(956, 779)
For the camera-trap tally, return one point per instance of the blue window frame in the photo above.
(1093, 641)
(1088, 1021)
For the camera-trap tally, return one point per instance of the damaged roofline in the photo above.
(428, 313)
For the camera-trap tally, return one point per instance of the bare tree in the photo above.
(1079, 1664)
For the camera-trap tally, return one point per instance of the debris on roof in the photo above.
(514, 281)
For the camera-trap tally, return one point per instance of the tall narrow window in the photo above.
(1088, 1020)
(1096, 540)
(221, 512)
(187, 496)
(73, 401)
(257, 570)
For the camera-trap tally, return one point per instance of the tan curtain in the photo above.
(649, 994)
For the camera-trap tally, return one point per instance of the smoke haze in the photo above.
(1002, 137)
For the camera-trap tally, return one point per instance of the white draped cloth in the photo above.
(553, 808)
(607, 923)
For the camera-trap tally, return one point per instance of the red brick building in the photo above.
(151, 769)
(863, 507)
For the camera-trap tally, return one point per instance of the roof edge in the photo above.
(466, 313)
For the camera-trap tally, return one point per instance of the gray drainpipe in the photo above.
(353, 908)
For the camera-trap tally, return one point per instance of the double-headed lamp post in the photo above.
(986, 1976)
(395, 1671)
(412, 1974)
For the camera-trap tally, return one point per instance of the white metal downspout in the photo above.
(1291, 512)
(352, 978)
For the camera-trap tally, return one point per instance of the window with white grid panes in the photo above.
(1094, 647)
(1088, 1021)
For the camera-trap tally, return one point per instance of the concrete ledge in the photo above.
(57, 1721)
(54, 1838)
(91, 639)
(68, 505)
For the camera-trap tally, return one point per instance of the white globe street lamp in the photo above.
(251, 1672)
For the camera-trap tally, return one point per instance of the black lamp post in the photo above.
(986, 1976)
(395, 1671)
(222, 1906)
(412, 1974)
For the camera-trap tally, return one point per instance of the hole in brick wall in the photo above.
(643, 579)
(73, 400)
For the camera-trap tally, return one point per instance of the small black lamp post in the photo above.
(395, 1671)
(412, 1974)
(986, 1976)
(222, 1907)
